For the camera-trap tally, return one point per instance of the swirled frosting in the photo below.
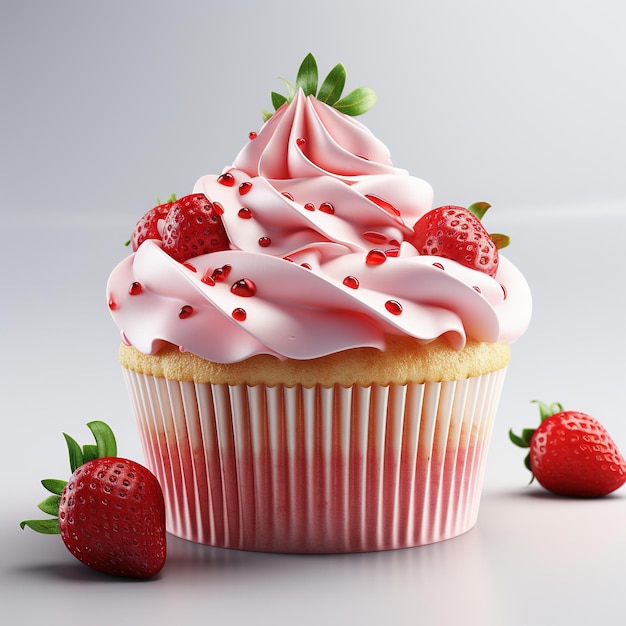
(320, 260)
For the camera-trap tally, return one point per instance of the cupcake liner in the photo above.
(317, 470)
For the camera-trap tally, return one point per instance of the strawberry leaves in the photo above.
(479, 209)
(105, 447)
(356, 102)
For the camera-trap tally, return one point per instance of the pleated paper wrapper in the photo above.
(317, 470)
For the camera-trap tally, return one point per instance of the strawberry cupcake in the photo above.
(313, 353)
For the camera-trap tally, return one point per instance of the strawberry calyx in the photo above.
(478, 209)
(104, 447)
(523, 440)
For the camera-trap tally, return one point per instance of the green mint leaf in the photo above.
(333, 85)
(75, 452)
(357, 102)
(307, 76)
(277, 100)
(45, 526)
(105, 439)
(479, 209)
(54, 485)
(266, 114)
(50, 505)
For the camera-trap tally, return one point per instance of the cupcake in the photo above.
(314, 354)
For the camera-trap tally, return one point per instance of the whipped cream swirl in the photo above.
(319, 223)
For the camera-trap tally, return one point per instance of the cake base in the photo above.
(317, 470)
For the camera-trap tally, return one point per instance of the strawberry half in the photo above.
(456, 233)
(110, 513)
(572, 454)
(147, 227)
(193, 227)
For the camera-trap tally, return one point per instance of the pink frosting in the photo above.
(305, 203)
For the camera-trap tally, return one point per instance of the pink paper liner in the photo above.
(279, 469)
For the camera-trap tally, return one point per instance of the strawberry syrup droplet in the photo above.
(135, 289)
(300, 142)
(265, 242)
(504, 291)
(383, 204)
(373, 237)
(287, 195)
(327, 207)
(239, 314)
(218, 208)
(251, 135)
(245, 213)
(189, 266)
(351, 281)
(375, 257)
(309, 206)
(207, 279)
(244, 188)
(394, 307)
(220, 274)
(244, 288)
(306, 266)
(439, 265)
(113, 305)
(185, 311)
(226, 179)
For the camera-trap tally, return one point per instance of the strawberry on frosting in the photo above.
(321, 254)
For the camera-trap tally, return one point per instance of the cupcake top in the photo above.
(311, 243)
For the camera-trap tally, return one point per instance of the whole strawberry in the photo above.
(457, 233)
(572, 454)
(187, 227)
(193, 227)
(110, 514)
(147, 226)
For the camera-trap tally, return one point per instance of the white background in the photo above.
(107, 105)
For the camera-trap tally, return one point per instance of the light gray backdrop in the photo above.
(105, 105)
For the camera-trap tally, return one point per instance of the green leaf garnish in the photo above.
(333, 85)
(307, 76)
(278, 100)
(356, 102)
